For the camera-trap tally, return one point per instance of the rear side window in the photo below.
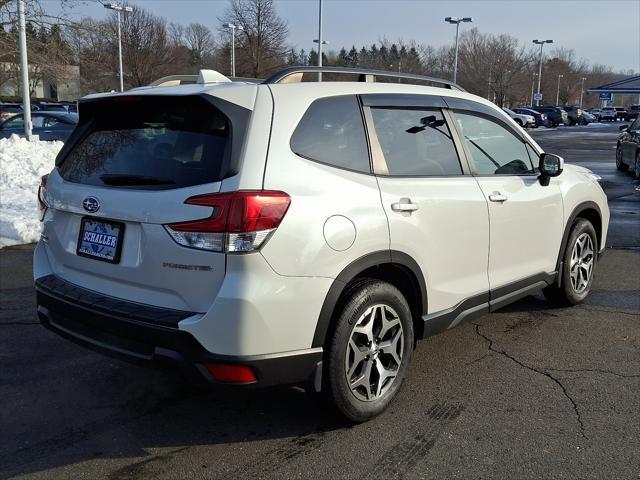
(151, 143)
(332, 132)
(415, 142)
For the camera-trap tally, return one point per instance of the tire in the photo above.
(620, 165)
(580, 256)
(636, 166)
(518, 121)
(354, 346)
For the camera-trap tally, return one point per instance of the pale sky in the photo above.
(600, 31)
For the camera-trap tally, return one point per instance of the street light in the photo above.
(558, 91)
(456, 21)
(582, 90)
(119, 8)
(541, 43)
(319, 39)
(233, 28)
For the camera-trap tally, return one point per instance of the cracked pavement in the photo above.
(530, 391)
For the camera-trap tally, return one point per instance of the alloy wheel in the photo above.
(374, 352)
(581, 266)
(637, 166)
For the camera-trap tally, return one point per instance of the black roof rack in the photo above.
(364, 75)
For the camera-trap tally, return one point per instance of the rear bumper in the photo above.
(150, 335)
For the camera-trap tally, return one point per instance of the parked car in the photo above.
(628, 148)
(621, 114)
(179, 226)
(574, 114)
(595, 112)
(51, 107)
(8, 110)
(47, 125)
(608, 114)
(633, 111)
(587, 118)
(540, 118)
(523, 119)
(555, 115)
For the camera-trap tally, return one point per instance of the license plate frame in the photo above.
(83, 251)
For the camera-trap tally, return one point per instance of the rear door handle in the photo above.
(404, 205)
(497, 197)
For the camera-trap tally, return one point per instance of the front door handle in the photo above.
(497, 197)
(404, 206)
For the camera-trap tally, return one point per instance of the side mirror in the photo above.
(623, 128)
(550, 166)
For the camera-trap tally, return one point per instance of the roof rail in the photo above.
(294, 75)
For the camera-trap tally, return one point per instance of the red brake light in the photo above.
(41, 191)
(240, 221)
(231, 373)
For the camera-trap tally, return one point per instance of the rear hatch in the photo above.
(122, 177)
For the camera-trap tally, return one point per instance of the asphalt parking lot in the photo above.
(528, 392)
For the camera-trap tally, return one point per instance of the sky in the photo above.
(601, 31)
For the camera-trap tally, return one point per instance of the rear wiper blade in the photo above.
(115, 179)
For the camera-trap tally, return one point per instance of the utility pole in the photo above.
(532, 83)
(558, 91)
(24, 67)
(119, 8)
(582, 90)
(233, 28)
(541, 43)
(320, 39)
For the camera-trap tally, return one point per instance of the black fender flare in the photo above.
(356, 267)
(581, 207)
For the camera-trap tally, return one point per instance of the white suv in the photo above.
(307, 233)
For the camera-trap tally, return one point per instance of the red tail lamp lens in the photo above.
(231, 373)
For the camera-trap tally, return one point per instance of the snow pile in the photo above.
(22, 163)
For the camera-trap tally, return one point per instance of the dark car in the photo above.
(633, 112)
(628, 148)
(574, 114)
(9, 110)
(555, 115)
(47, 125)
(541, 118)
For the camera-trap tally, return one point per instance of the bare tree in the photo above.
(200, 42)
(262, 42)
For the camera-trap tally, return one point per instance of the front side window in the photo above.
(15, 122)
(415, 142)
(494, 149)
(332, 132)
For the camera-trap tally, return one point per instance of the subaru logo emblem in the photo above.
(91, 204)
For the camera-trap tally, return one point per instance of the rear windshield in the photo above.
(150, 143)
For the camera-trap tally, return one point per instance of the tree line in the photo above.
(496, 66)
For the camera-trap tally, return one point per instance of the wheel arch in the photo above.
(392, 266)
(589, 211)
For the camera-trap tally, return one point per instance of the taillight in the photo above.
(240, 221)
(42, 189)
(231, 373)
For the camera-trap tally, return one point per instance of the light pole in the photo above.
(118, 9)
(558, 91)
(319, 39)
(24, 71)
(541, 43)
(533, 79)
(456, 21)
(582, 89)
(233, 28)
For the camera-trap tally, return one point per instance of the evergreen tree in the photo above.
(342, 60)
(352, 57)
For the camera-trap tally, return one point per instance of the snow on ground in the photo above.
(22, 163)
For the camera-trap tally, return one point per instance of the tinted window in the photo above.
(15, 122)
(415, 142)
(331, 131)
(151, 144)
(494, 149)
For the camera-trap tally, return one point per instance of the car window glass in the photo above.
(332, 132)
(49, 122)
(37, 122)
(494, 149)
(15, 122)
(635, 125)
(533, 156)
(415, 142)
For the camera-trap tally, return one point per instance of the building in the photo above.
(66, 87)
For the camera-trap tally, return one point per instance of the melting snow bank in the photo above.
(22, 163)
